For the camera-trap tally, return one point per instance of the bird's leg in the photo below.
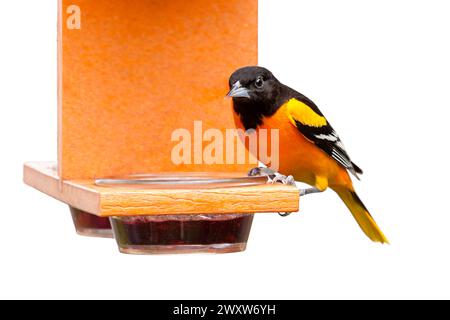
(304, 192)
(320, 186)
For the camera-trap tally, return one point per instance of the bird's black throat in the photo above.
(252, 112)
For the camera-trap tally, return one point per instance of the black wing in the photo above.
(308, 119)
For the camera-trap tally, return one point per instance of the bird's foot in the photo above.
(289, 180)
(273, 177)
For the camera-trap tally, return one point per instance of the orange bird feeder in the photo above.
(131, 75)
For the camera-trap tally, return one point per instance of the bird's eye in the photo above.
(259, 82)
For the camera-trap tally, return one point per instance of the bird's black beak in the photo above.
(238, 91)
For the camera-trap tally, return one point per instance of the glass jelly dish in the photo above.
(184, 233)
(90, 225)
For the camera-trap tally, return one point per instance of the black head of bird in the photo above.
(256, 94)
(254, 83)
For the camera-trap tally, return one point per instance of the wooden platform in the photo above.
(125, 201)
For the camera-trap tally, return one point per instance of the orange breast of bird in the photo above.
(297, 156)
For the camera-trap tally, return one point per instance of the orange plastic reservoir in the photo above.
(132, 72)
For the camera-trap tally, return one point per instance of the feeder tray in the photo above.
(130, 76)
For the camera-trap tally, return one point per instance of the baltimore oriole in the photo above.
(309, 148)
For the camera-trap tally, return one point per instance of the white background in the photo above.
(379, 70)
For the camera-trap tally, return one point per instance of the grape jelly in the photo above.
(219, 233)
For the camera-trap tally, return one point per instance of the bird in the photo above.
(310, 150)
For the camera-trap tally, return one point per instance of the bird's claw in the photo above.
(284, 214)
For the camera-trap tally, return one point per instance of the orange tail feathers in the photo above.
(361, 215)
